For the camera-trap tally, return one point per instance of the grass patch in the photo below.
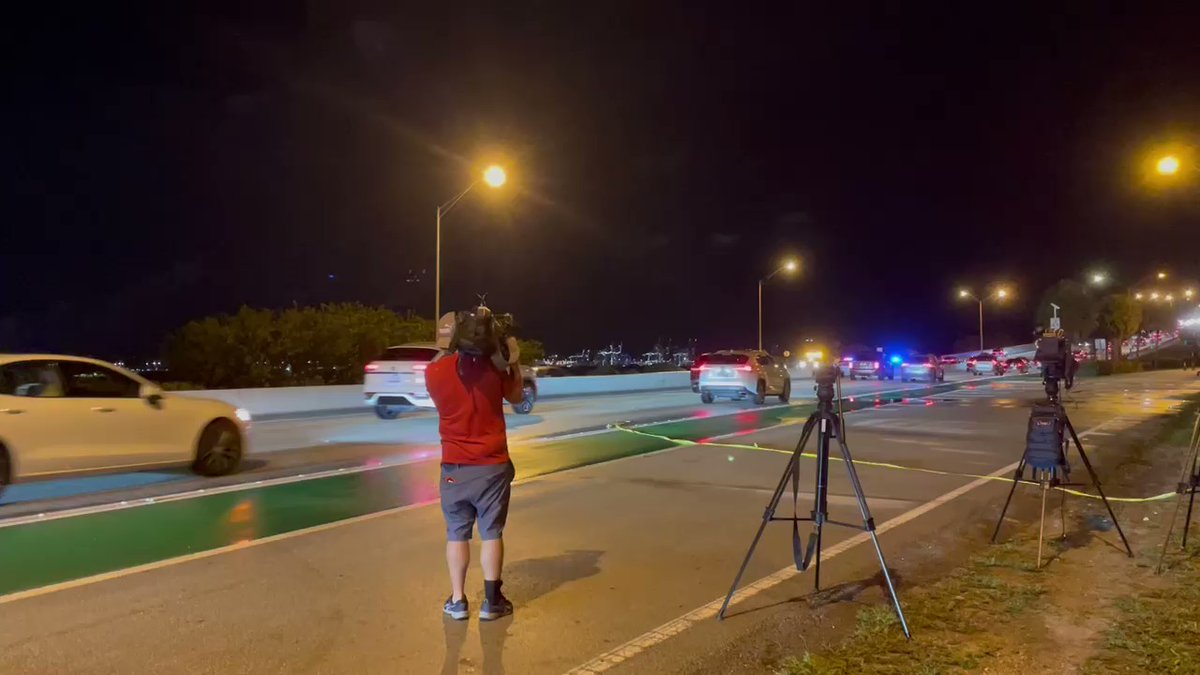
(958, 622)
(1157, 631)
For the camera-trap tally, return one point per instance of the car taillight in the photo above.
(876, 365)
(420, 367)
(744, 368)
(371, 367)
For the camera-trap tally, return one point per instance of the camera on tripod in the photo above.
(1053, 352)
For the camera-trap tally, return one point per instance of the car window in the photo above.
(728, 359)
(764, 360)
(408, 354)
(88, 380)
(866, 356)
(31, 378)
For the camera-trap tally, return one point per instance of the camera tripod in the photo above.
(1052, 473)
(1189, 484)
(828, 425)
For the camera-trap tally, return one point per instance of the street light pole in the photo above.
(980, 323)
(495, 177)
(437, 264)
(790, 266)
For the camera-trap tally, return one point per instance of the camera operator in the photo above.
(469, 386)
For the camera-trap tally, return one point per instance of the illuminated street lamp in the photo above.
(1187, 293)
(1162, 275)
(1168, 165)
(790, 265)
(1137, 296)
(999, 294)
(494, 177)
(1099, 278)
(1154, 295)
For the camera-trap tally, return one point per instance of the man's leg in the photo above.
(458, 557)
(491, 558)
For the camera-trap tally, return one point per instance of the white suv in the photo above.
(737, 374)
(397, 379)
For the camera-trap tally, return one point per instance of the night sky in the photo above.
(160, 165)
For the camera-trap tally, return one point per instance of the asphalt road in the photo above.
(613, 565)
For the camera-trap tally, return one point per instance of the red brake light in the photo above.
(371, 367)
(420, 366)
(744, 368)
(876, 364)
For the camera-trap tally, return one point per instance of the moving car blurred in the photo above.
(985, 364)
(737, 374)
(922, 367)
(1020, 363)
(396, 380)
(67, 415)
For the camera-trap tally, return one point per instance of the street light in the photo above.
(789, 265)
(1168, 165)
(494, 177)
(1099, 278)
(999, 294)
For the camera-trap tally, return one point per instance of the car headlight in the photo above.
(242, 414)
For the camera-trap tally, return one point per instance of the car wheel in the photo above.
(386, 412)
(219, 450)
(760, 393)
(529, 396)
(706, 398)
(787, 392)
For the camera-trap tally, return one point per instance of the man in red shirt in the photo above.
(469, 388)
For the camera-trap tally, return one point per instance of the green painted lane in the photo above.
(37, 554)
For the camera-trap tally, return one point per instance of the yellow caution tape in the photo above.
(883, 465)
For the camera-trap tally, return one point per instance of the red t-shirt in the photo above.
(470, 406)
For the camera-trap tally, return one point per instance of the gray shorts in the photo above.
(473, 492)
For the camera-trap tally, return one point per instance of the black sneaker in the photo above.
(490, 611)
(457, 610)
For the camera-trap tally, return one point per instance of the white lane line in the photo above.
(652, 638)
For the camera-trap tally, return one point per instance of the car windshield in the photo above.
(408, 354)
(865, 356)
(983, 357)
(916, 358)
(728, 359)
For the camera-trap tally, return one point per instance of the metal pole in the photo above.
(437, 275)
(760, 285)
(980, 325)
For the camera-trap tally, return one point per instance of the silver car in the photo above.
(738, 374)
(918, 367)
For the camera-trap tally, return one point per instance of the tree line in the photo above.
(328, 344)
(1086, 313)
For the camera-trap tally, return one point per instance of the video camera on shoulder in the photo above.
(1053, 352)
(482, 333)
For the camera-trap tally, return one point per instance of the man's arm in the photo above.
(514, 382)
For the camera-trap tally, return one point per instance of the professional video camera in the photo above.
(1054, 353)
(478, 332)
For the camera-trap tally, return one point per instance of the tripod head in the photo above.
(826, 378)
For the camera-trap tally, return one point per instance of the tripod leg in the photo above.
(1016, 479)
(1062, 512)
(769, 512)
(869, 524)
(1042, 522)
(1096, 482)
(820, 496)
(1187, 522)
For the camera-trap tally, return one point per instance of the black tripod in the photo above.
(1189, 484)
(1048, 462)
(828, 425)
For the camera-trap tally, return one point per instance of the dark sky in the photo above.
(162, 164)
